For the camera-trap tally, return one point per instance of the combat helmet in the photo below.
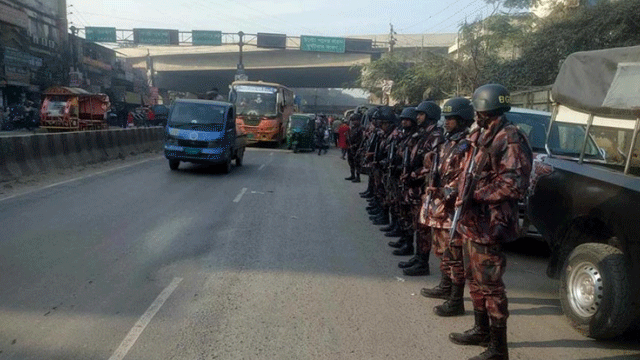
(461, 108)
(430, 109)
(491, 98)
(409, 113)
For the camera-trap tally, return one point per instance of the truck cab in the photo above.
(203, 132)
(585, 191)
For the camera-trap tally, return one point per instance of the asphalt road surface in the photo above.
(276, 260)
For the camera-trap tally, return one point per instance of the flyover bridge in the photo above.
(199, 68)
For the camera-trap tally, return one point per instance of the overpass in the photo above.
(199, 68)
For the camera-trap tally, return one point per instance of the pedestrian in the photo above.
(497, 179)
(335, 126)
(439, 207)
(342, 134)
(322, 135)
(355, 137)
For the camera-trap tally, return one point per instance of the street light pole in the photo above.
(240, 74)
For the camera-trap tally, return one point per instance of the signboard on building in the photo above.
(201, 37)
(274, 41)
(14, 16)
(155, 36)
(75, 79)
(322, 44)
(100, 34)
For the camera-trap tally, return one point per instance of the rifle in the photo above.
(390, 156)
(432, 180)
(470, 181)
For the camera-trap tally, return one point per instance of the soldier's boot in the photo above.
(406, 249)
(406, 264)
(497, 349)
(395, 232)
(392, 225)
(357, 179)
(404, 238)
(383, 219)
(454, 306)
(367, 193)
(421, 268)
(373, 206)
(375, 211)
(353, 175)
(441, 291)
(377, 214)
(477, 335)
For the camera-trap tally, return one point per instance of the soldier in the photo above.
(386, 134)
(439, 207)
(362, 162)
(497, 177)
(354, 139)
(427, 140)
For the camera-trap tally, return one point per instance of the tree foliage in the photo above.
(415, 76)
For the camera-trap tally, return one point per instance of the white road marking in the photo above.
(262, 167)
(257, 192)
(239, 197)
(144, 320)
(81, 178)
(271, 154)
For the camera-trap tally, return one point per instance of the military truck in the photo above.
(585, 197)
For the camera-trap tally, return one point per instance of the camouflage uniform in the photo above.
(354, 140)
(429, 140)
(503, 163)
(440, 210)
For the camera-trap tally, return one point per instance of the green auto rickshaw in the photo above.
(300, 132)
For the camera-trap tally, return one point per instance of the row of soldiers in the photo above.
(451, 190)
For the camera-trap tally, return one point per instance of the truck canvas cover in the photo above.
(603, 82)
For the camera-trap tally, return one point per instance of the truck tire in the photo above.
(226, 167)
(174, 164)
(239, 157)
(595, 292)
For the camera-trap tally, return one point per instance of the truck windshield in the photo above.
(256, 100)
(193, 113)
(298, 122)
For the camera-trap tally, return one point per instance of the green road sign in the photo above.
(201, 37)
(322, 43)
(155, 36)
(100, 34)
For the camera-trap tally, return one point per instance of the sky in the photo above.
(294, 18)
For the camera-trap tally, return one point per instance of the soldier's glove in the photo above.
(449, 193)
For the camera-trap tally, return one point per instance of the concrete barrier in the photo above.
(26, 155)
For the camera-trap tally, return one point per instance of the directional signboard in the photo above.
(358, 45)
(201, 37)
(276, 41)
(322, 44)
(100, 34)
(155, 36)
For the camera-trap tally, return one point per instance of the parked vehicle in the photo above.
(203, 132)
(535, 124)
(73, 109)
(584, 196)
(158, 115)
(300, 132)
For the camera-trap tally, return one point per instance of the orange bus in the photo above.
(262, 110)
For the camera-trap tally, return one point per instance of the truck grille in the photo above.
(192, 143)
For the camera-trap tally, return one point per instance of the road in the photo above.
(276, 260)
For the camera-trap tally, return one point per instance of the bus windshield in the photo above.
(256, 100)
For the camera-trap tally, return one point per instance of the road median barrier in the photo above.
(26, 155)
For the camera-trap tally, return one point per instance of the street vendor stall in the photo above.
(73, 109)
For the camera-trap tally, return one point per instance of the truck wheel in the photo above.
(174, 164)
(226, 167)
(239, 157)
(594, 291)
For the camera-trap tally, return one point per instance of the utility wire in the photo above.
(436, 14)
(449, 18)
